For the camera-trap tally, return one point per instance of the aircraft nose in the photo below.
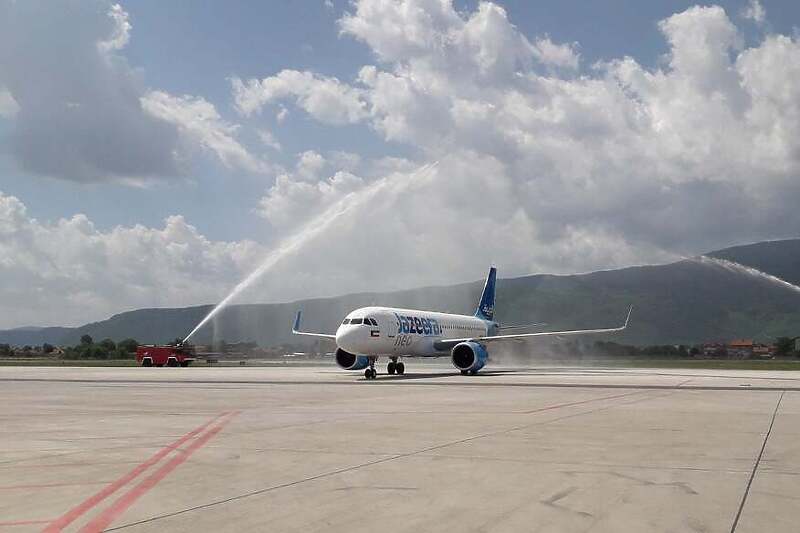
(347, 338)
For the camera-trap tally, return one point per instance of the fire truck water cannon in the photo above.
(165, 355)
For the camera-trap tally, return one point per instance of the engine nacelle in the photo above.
(469, 356)
(350, 361)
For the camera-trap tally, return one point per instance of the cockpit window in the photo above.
(370, 321)
(345, 321)
(374, 322)
(355, 321)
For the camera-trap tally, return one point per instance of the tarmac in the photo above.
(557, 449)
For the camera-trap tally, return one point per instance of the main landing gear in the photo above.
(395, 367)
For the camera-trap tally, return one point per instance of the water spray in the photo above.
(739, 268)
(312, 229)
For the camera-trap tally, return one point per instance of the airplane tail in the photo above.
(486, 306)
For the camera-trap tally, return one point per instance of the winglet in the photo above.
(296, 326)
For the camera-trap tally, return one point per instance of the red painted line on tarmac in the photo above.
(22, 522)
(103, 520)
(67, 518)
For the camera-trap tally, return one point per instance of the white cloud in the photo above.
(310, 165)
(544, 166)
(8, 106)
(755, 11)
(281, 115)
(268, 139)
(78, 111)
(71, 272)
(557, 55)
(78, 115)
(326, 99)
(290, 201)
(198, 120)
(120, 32)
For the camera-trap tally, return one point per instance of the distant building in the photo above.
(713, 349)
(764, 351)
(741, 348)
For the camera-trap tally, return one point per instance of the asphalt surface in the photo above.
(319, 449)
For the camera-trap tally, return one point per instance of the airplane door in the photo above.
(392, 327)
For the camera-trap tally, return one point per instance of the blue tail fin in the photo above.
(486, 306)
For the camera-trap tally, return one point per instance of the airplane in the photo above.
(372, 332)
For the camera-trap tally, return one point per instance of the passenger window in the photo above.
(355, 321)
(345, 321)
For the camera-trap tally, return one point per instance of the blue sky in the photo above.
(594, 160)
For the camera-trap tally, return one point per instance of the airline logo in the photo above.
(417, 325)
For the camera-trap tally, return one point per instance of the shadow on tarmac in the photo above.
(428, 375)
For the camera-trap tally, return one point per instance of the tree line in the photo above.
(86, 349)
(105, 349)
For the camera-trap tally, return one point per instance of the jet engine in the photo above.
(350, 361)
(469, 356)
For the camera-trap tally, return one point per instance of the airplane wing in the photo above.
(523, 326)
(296, 330)
(449, 343)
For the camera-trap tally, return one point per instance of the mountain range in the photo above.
(684, 302)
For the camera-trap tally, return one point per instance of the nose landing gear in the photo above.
(371, 373)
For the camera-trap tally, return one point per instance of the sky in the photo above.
(153, 154)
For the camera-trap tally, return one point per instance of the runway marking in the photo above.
(70, 516)
(461, 384)
(113, 512)
(755, 466)
(344, 470)
(569, 404)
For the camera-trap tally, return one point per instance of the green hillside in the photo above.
(684, 302)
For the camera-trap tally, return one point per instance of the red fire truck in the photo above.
(153, 355)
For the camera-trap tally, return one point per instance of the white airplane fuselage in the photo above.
(406, 332)
(372, 332)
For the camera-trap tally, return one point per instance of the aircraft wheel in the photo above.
(391, 367)
(400, 368)
(370, 373)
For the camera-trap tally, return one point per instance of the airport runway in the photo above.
(318, 449)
